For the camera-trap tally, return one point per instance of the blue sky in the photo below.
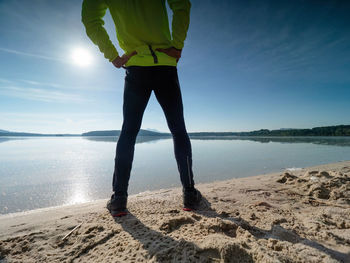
(246, 65)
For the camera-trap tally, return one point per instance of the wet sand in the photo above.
(293, 216)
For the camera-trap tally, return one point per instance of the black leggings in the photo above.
(139, 83)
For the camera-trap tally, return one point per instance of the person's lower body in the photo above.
(139, 83)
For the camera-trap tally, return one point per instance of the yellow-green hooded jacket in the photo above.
(141, 25)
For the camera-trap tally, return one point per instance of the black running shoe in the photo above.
(117, 206)
(191, 199)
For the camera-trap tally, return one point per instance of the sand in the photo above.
(294, 216)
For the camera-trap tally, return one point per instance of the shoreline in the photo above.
(300, 215)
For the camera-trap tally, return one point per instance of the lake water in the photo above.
(38, 172)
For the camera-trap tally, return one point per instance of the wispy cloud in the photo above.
(40, 94)
(6, 81)
(37, 83)
(59, 122)
(21, 53)
(272, 40)
(66, 87)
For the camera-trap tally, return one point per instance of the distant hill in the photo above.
(9, 133)
(117, 133)
(339, 130)
(29, 134)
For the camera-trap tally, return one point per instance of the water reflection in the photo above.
(336, 141)
(326, 140)
(79, 194)
(320, 140)
(5, 139)
(139, 139)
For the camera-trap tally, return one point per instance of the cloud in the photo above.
(6, 81)
(37, 83)
(58, 122)
(270, 39)
(20, 53)
(61, 86)
(40, 94)
(54, 85)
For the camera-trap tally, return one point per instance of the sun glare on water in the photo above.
(81, 57)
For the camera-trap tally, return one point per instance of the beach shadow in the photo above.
(164, 248)
(276, 232)
(157, 245)
(167, 249)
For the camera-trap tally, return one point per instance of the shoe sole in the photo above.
(191, 207)
(118, 214)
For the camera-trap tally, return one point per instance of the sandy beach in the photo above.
(300, 215)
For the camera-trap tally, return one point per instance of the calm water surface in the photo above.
(38, 172)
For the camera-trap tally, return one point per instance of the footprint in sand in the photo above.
(215, 248)
(96, 228)
(345, 169)
(172, 224)
(284, 234)
(220, 226)
(18, 225)
(287, 178)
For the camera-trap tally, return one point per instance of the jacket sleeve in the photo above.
(91, 15)
(181, 21)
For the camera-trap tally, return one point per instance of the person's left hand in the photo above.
(172, 52)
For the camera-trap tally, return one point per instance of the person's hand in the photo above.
(172, 52)
(121, 61)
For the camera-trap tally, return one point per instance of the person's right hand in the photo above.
(121, 61)
(172, 52)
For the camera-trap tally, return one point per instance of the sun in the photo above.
(81, 57)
